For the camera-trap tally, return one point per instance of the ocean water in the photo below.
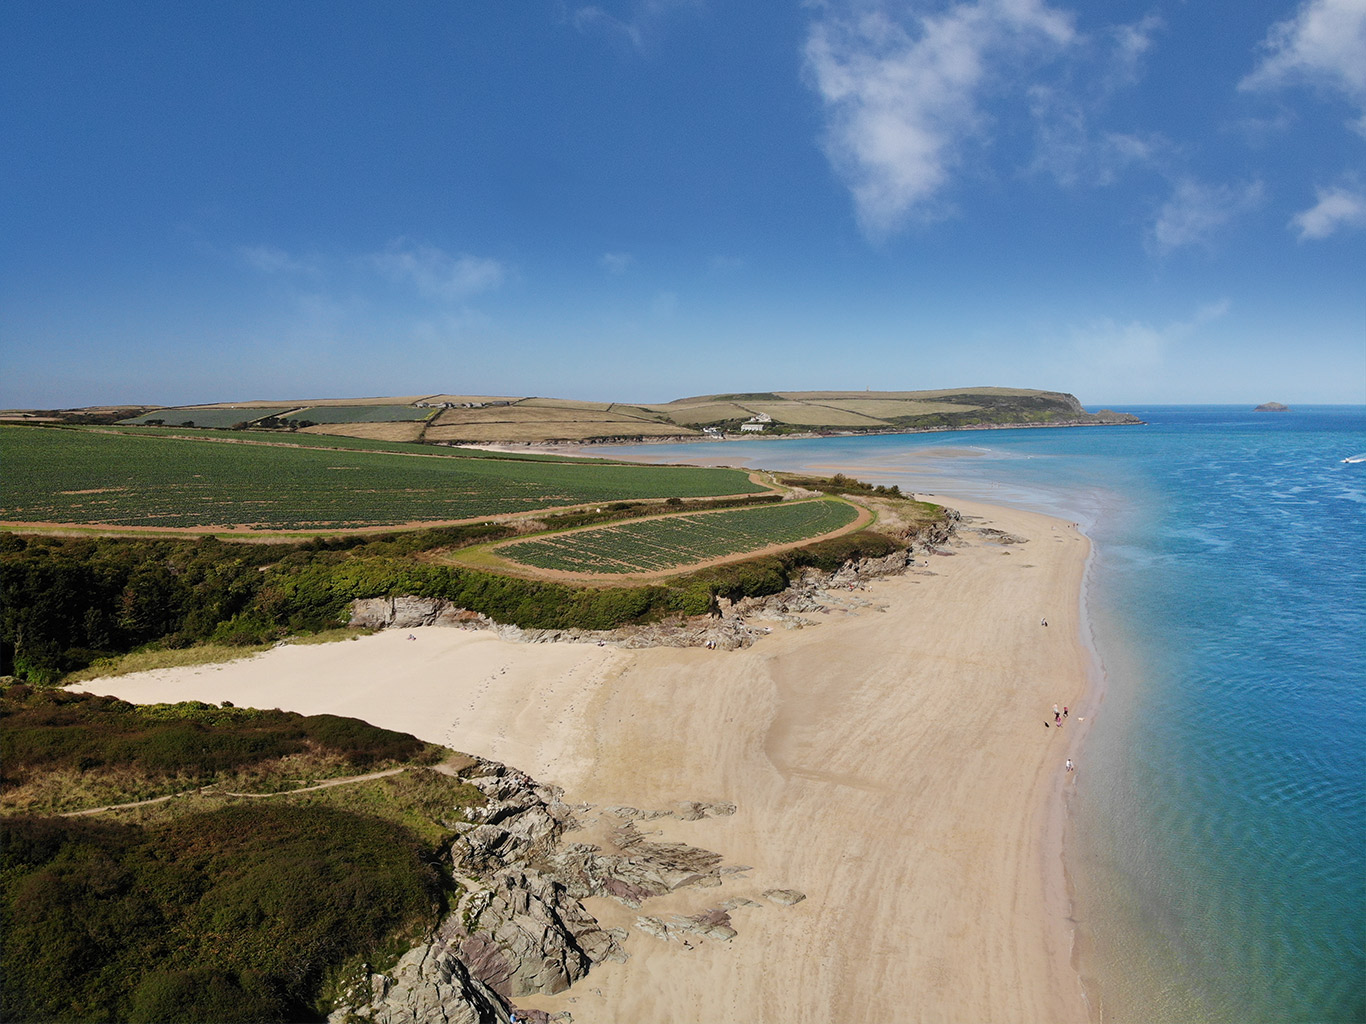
(1217, 827)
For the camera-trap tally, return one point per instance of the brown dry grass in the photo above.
(541, 430)
(409, 430)
(524, 413)
(701, 412)
(886, 408)
(812, 414)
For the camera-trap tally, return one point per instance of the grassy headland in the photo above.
(476, 419)
(211, 907)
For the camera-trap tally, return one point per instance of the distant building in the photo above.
(752, 428)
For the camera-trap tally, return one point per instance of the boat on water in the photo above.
(1356, 458)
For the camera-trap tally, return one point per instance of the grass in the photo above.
(113, 748)
(147, 661)
(118, 479)
(203, 654)
(670, 542)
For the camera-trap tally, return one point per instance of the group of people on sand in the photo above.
(1058, 718)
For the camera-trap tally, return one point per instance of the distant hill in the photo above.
(485, 419)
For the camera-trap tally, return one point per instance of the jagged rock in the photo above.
(786, 897)
(407, 612)
(428, 985)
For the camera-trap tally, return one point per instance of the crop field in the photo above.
(360, 413)
(310, 437)
(656, 545)
(208, 417)
(559, 430)
(122, 479)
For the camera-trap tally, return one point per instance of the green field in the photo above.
(139, 479)
(365, 444)
(655, 545)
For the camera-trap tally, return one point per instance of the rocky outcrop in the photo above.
(1272, 407)
(408, 612)
(519, 927)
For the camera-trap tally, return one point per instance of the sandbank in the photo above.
(892, 763)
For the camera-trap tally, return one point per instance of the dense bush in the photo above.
(48, 729)
(65, 603)
(230, 915)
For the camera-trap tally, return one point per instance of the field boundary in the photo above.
(865, 518)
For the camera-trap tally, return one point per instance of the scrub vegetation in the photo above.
(208, 908)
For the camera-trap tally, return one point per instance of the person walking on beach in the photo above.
(1070, 766)
(1064, 711)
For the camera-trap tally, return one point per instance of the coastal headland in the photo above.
(896, 762)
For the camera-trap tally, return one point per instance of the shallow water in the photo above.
(1219, 817)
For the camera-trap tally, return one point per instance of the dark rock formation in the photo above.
(1272, 407)
(519, 928)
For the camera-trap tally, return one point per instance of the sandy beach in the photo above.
(891, 763)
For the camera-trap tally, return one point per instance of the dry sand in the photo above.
(892, 765)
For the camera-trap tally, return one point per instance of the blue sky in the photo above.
(1134, 202)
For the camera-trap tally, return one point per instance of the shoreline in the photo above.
(558, 447)
(888, 763)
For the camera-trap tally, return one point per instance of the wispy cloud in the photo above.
(436, 273)
(902, 93)
(1073, 152)
(617, 263)
(1115, 348)
(1129, 46)
(270, 259)
(1070, 144)
(1324, 45)
(640, 29)
(1196, 212)
(1337, 207)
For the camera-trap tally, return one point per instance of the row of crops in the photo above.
(123, 479)
(656, 545)
(203, 417)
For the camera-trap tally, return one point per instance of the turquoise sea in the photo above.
(1217, 829)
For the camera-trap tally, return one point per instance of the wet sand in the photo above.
(892, 763)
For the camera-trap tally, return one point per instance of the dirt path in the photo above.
(863, 519)
(212, 791)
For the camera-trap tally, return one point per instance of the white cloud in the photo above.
(1338, 207)
(902, 95)
(1196, 211)
(617, 262)
(1323, 45)
(436, 273)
